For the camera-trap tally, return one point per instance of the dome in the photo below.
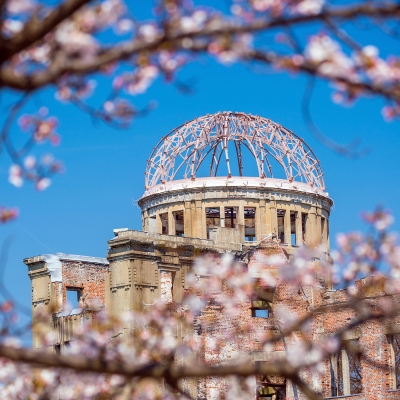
(183, 152)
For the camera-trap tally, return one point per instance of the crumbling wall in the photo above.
(372, 336)
(88, 277)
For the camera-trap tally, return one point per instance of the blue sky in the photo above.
(105, 167)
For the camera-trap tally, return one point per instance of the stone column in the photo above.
(200, 226)
(171, 223)
(346, 373)
(187, 220)
(311, 226)
(328, 243)
(222, 216)
(273, 217)
(45, 273)
(261, 221)
(392, 366)
(145, 221)
(318, 226)
(158, 223)
(287, 227)
(299, 238)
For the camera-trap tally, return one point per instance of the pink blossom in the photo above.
(15, 175)
(309, 7)
(124, 26)
(148, 32)
(8, 214)
(43, 184)
(141, 79)
(20, 6)
(29, 162)
(11, 26)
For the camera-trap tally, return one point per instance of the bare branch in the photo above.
(349, 151)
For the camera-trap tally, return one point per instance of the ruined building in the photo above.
(198, 199)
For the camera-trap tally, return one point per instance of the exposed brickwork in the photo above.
(166, 286)
(376, 382)
(87, 276)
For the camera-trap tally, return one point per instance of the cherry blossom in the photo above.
(8, 214)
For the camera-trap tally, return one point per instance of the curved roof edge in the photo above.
(212, 182)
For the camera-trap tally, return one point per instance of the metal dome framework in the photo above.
(185, 148)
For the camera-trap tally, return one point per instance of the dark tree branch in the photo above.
(35, 29)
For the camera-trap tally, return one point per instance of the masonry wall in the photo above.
(372, 337)
(90, 278)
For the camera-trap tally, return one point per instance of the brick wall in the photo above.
(87, 276)
(376, 382)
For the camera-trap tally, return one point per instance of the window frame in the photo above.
(259, 304)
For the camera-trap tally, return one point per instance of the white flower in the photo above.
(29, 162)
(43, 184)
(309, 7)
(15, 175)
(12, 26)
(20, 6)
(75, 41)
(148, 32)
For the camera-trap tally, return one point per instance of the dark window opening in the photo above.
(249, 224)
(179, 223)
(345, 366)
(281, 225)
(293, 219)
(303, 227)
(73, 296)
(355, 370)
(164, 223)
(323, 230)
(260, 308)
(230, 217)
(270, 387)
(213, 219)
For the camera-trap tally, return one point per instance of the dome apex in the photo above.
(181, 153)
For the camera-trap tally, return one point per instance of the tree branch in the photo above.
(10, 78)
(35, 29)
(169, 371)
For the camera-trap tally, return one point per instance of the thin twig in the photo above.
(349, 151)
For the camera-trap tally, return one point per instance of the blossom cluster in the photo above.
(359, 254)
(40, 129)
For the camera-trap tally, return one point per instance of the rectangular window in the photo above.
(303, 227)
(346, 371)
(213, 216)
(73, 296)
(230, 217)
(249, 224)
(179, 223)
(164, 223)
(260, 308)
(281, 225)
(213, 219)
(323, 238)
(293, 220)
(270, 387)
